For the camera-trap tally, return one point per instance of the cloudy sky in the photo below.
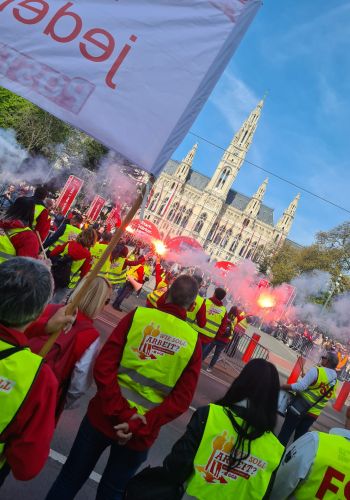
(299, 52)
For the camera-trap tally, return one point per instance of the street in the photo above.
(211, 387)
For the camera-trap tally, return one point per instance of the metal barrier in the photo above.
(238, 346)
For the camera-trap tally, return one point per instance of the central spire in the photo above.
(233, 158)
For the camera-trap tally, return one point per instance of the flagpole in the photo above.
(94, 273)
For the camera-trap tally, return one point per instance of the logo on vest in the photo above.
(6, 385)
(217, 468)
(214, 310)
(156, 343)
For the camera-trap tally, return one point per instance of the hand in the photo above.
(60, 321)
(123, 434)
(141, 417)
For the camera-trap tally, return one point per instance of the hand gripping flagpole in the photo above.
(93, 274)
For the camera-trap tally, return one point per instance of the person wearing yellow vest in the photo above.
(317, 387)
(197, 316)
(135, 278)
(79, 252)
(16, 235)
(146, 375)
(317, 465)
(163, 279)
(238, 325)
(97, 250)
(42, 220)
(67, 231)
(27, 385)
(216, 323)
(229, 450)
(119, 266)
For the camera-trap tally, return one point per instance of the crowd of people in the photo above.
(146, 375)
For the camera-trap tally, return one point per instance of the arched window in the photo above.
(234, 244)
(222, 179)
(219, 235)
(186, 217)
(179, 215)
(163, 205)
(251, 250)
(244, 248)
(226, 238)
(172, 211)
(200, 223)
(154, 201)
(246, 223)
(276, 237)
(212, 231)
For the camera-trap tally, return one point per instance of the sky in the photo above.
(298, 51)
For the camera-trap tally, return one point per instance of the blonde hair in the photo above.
(95, 297)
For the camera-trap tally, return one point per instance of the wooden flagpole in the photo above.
(92, 275)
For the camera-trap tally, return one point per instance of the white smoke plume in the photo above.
(311, 284)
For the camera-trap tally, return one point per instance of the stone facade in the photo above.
(229, 225)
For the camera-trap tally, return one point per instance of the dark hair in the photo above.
(106, 236)
(22, 209)
(220, 293)
(259, 384)
(77, 218)
(40, 193)
(26, 286)
(198, 278)
(183, 291)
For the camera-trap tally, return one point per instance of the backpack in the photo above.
(61, 270)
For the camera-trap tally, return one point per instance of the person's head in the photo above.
(329, 359)
(26, 286)
(106, 237)
(76, 220)
(95, 298)
(183, 291)
(23, 210)
(199, 279)
(220, 293)
(119, 251)
(87, 238)
(40, 193)
(49, 203)
(258, 384)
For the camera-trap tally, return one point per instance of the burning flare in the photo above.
(159, 247)
(266, 300)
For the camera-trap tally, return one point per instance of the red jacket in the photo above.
(77, 252)
(43, 224)
(222, 329)
(26, 243)
(28, 437)
(109, 407)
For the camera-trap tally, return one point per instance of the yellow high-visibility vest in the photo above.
(159, 346)
(132, 272)
(38, 209)
(17, 374)
(70, 234)
(117, 272)
(329, 476)
(318, 389)
(7, 250)
(212, 478)
(96, 252)
(160, 290)
(191, 315)
(215, 314)
(76, 265)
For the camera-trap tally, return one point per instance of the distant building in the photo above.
(230, 226)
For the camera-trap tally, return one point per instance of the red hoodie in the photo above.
(77, 252)
(26, 243)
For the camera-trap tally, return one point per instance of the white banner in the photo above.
(132, 73)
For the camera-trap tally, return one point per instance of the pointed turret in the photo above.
(285, 223)
(185, 166)
(253, 207)
(233, 158)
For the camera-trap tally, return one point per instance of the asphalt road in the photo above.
(211, 387)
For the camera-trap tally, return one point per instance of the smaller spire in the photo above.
(185, 166)
(286, 221)
(253, 207)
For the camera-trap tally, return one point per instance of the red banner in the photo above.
(113, 219)
(95, 208)
(143, 229)
(183, 243)
(69, 193)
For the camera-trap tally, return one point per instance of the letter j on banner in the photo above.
(134, 74)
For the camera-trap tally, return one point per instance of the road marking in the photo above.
(204, 372)
(104, 320)
(58, 457)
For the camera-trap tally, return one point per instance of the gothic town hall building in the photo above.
(229, 225)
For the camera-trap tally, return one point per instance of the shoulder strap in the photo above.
(12, 350)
